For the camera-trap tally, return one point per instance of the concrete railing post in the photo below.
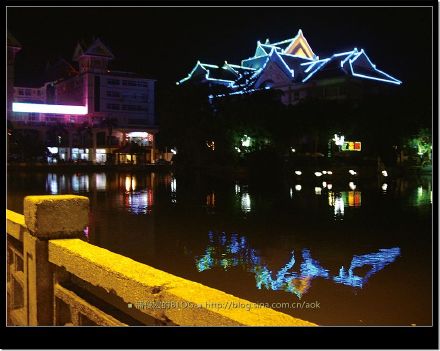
(47, 217)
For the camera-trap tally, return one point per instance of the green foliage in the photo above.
(422, 142)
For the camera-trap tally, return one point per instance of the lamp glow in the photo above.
(45, 108)
(298, 172)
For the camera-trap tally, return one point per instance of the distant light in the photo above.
(291, 192)
(298, 187)
(174, 151)
(324, 184)
(329, 172)
(238, 149)
(352, 186)
(384, 186)
(298, 172)
(385, 173)
(237, 188)
(138, 135)
(293, 150)
(318, 174)
(246, 141)
(318, 190)
(324, 172)
(329, 186)
(53, 150)
(352, 172)
(45, 108)
(339, 140)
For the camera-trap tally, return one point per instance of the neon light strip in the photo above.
(394, 81)
(311, 74)
(191, 73)
(284, 63)
(208, 65)
(44, 108)
(302, 57)
(342, 53)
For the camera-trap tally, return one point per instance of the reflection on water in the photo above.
(80, 183)
(173, 190)
(243, 197)
(245, 202)
(137, 201)
(377, 261)
(101, 181)
(232, 251)
(226, 252)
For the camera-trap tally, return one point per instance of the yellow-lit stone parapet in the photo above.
(56, 216)
(135, 283)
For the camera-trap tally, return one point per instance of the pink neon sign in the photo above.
(45, 108)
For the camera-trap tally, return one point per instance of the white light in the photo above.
(329, 172)
(339, 206)
(100, 151)
(329, 186)
(298, 172)
(384, 186)
(352, 172)
(352, 186)
(173, 151)
(44, 108)
(298, 187)
(245, 202)
(318, 190)
(385, 173)
(293, 150)
(318, 174)
(238, 150)
(173, 185)
(138, 135)
(291, 193)
(324, 172)
(237, 188)
(324, 184)
(53, 150)
(339, 140)
(246, 141)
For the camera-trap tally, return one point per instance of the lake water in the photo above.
(349, 252)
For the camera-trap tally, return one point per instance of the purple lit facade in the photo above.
(119, 106)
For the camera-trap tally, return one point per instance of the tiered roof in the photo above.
(295, 60)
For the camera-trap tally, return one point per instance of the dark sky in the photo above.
(165, 43)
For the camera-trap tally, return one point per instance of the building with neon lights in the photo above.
(292, 67)
(96, 113)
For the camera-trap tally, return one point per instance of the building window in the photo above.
(20, 92)
(113, 107)
(113, 81)
(113, 93)
(28, 92)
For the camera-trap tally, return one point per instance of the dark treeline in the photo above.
(189, 122)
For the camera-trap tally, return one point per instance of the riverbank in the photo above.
(78, 167)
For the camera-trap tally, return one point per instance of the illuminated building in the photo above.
(93, 111)
(292, 67)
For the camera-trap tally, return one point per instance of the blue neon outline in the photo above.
(191, 73)
(392, 79)
(316, 70)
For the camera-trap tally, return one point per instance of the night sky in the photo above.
(165, 43)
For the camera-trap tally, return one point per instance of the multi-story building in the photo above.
(90, 113)
(292, 67)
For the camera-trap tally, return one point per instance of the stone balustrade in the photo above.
(55, 278)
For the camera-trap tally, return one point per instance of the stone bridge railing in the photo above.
(55, 278)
